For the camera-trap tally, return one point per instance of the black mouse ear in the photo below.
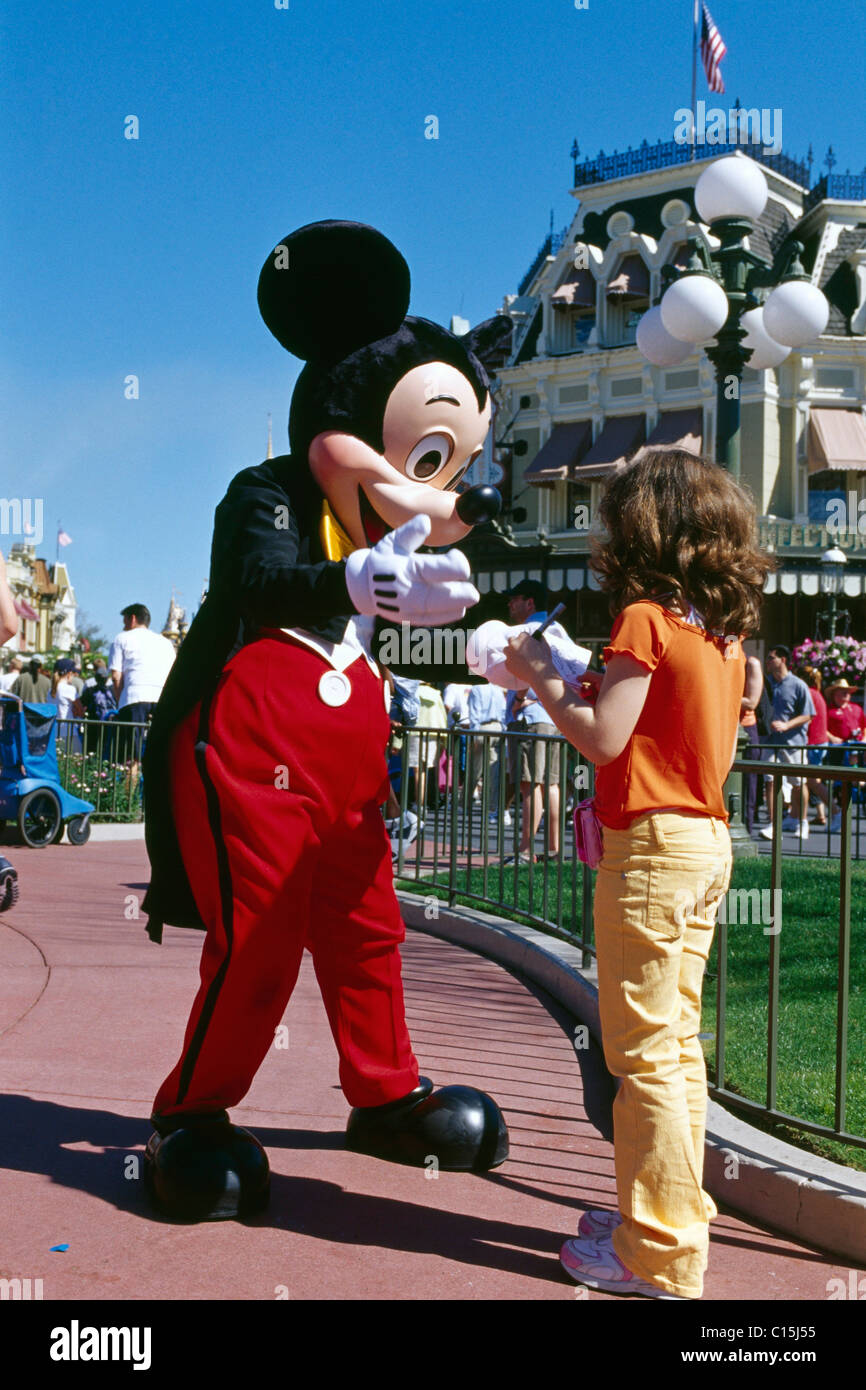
(490, 341)
(332, 287)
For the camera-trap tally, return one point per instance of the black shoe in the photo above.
(459, 1127)
(203, 1168)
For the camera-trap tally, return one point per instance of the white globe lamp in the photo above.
(694, 308)
(733, 186)
(796, 313)
(766, 352)
(657, 344)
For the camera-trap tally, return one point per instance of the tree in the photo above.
(89, 633)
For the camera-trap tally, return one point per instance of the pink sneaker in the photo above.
(596, 1264)
(593, 1224)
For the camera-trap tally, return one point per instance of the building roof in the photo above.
(42, 582)
(771, 230)
(839, 282)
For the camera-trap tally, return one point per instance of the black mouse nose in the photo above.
(479, 504)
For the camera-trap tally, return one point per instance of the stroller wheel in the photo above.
(39, 817)
(8, 885)
(78, 830)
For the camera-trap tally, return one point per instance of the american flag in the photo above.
(713, 50)
(63, 539)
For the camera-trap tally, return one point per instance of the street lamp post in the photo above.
(717, 299)
(721, 299)
(833, 564)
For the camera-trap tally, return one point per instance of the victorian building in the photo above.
(44, 600)
(575, 396)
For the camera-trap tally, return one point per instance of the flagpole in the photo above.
(57, 547)
(695, 79)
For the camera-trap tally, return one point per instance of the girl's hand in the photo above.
(527, 658)
(590, 685)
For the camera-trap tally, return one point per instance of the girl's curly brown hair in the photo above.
(679, 522)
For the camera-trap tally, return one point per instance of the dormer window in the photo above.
(627, 296)
(574, 306)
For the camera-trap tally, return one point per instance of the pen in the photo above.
(551, 618)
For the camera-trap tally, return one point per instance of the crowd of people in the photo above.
(124, 688)
(784, 718)
(791, 719)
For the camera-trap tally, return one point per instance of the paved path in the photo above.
(91, 1018)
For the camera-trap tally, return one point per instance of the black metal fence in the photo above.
(100, 761)
(459, 834)
(823, 789)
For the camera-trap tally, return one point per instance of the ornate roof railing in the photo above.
(848, 187)
(549, 247)
(664, 154)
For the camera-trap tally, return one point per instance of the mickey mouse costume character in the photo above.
(265, 763)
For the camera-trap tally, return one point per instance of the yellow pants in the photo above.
(657, 894)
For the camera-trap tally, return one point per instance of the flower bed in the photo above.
(834, 657)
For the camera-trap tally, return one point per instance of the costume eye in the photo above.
(454, 482)
(429, 457)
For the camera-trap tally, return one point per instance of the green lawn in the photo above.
(808, 942)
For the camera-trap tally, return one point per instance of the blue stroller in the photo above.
(30, 790)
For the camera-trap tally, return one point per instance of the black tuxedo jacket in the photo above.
(267, 569)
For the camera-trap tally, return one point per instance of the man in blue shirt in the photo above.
(792, 711)
(527, 603)
(485, 713)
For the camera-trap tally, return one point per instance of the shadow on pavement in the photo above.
(88, 1151)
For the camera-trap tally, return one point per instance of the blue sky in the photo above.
(141, 257)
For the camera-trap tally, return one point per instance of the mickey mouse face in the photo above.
(433, 428)
(389, 411)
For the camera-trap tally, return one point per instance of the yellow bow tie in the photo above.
(335, 543)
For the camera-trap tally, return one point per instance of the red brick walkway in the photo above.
(91, 1017)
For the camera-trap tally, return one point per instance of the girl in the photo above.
(685, 579)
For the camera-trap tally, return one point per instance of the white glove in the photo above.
(392, 582)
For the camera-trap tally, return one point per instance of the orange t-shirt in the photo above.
(680, 751)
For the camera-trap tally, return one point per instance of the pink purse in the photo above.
(588, 834)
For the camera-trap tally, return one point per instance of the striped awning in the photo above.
(631, 281)
(679, 429)
(837, 440)
(561, 454)
(808, 582)
(621, 436)
(23, 609)
(571, 577)
(577, 291)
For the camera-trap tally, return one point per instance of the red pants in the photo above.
(276, 797)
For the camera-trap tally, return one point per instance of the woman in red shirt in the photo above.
(685, 580)
(815, 734)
